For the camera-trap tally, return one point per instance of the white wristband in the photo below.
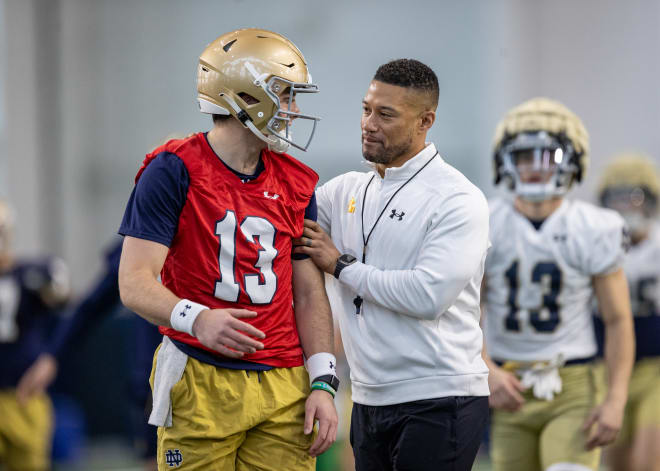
(321, 364)
(184, 314)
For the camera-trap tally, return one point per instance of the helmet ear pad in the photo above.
(215, 87)
(497, 162)
(576, 160)
(578, 175)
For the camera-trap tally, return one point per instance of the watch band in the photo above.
(338, 268)
(342, 262)
(332, 380)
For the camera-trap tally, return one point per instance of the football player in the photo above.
(631, 186)
(101, 301)
(214, 215)
(549, 256)
(31, 291)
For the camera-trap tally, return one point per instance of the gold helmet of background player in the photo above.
(630, 184)
(551, 137)
(244, 72)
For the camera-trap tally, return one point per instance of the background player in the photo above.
(31, 291)
(215, 215)
(631, 186)
(549, 256)
(101, 301)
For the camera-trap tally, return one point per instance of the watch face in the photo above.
(346, 258)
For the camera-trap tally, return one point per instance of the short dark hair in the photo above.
(221, 118)
(410, 73)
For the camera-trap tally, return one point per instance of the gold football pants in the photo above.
(26, 432)
(542, 433)
(240, 420)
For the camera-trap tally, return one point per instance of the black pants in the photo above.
(435, 434)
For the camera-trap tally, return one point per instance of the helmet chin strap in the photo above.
(274, 143)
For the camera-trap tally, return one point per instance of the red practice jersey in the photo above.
(232, 247)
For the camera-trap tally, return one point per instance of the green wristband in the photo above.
(323, 386)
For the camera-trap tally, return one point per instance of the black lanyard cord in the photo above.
(364, 200)
(365, 239)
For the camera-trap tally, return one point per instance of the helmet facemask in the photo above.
(537, 165)
(279, 126)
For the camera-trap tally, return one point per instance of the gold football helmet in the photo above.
(244, 73)
(630, 185)
(545, 137)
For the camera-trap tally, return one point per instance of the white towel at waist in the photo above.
(170, 364)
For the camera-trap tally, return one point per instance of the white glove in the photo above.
(543, 378)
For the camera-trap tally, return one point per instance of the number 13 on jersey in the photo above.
(261, 285)
(548, 276)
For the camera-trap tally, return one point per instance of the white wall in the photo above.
(3, 115)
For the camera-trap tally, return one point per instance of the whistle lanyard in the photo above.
(365, 239)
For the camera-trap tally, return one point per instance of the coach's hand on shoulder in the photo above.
(320, 406)
(223, 331)
(505, 389)
(604, 423)
(316, 243)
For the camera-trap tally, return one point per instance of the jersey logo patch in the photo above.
(351, 205)
(271, 197)
(173, 458)
(397, 215)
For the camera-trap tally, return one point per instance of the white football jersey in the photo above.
(642, 267)
(539, 282)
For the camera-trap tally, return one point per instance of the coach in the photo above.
(407, 243)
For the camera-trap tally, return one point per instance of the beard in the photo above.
(386, 155)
